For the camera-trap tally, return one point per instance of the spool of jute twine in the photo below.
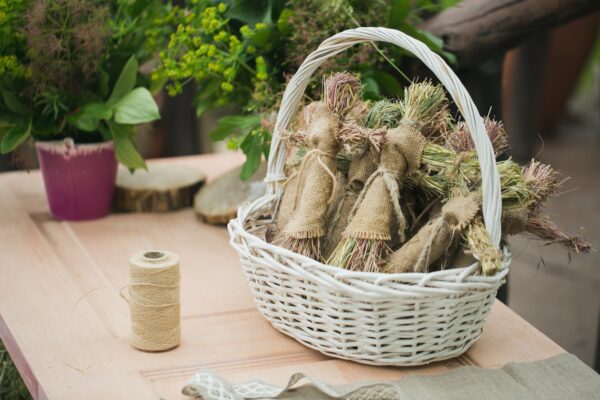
(154, 300)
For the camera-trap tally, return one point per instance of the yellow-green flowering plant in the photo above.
(242, 52)
(70, 68)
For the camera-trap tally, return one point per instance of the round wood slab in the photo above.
(218, 201)
(164, 187)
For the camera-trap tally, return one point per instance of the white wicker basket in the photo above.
(372, 318)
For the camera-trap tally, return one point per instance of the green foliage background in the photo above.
(242, 53)
(69, 68)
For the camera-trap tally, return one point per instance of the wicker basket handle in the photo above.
(492, 205)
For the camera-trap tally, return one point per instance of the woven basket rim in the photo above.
(454, 276)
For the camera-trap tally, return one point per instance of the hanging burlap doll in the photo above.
(317, 172)
(359, 171)
(363, 145)
(435, 238)
(377, 218)
(296, 139)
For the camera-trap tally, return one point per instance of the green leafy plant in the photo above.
(71, 68)
(241, 53)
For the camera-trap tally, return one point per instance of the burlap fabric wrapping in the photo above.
(435, 238)
(359, 171)
(286, 204)
(557, 378)
(341, 187)
(316, 178)
(514, 221)
(378, 203)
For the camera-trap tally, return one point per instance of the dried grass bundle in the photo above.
(542, 181)
(425, 106)
(360, 255)
(542, 228)
(459, 139)
(478, 241)
(384, 114)
(341, 91)
(309, 247)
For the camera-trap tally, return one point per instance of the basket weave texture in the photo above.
(372, 318)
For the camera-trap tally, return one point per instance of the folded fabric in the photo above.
(561, 377)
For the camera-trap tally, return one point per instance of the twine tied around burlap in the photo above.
(314, 153)
(433, 239)
(359, 171)
(378, 202)
(316, 178)
(154, 300)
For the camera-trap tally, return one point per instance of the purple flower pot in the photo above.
(79, 178)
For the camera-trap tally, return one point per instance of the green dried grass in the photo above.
(384, 114)
(425, 105)
(478, 241)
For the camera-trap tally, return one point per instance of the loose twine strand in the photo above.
(154, 303)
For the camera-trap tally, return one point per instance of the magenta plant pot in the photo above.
(79, 178)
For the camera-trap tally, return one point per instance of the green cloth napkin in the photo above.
(561, 377)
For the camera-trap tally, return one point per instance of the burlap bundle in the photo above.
(358, 173)
(378, 204)
(514, 220)
(463, 258)
(433, 239)
(286, 203)
(316, 178)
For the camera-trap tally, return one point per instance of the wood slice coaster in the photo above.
(218, 201)
(164, 187)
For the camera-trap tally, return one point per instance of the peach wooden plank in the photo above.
(37, 296)
(507, 337)
(66, 325)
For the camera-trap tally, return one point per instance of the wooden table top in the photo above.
(66, 326)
